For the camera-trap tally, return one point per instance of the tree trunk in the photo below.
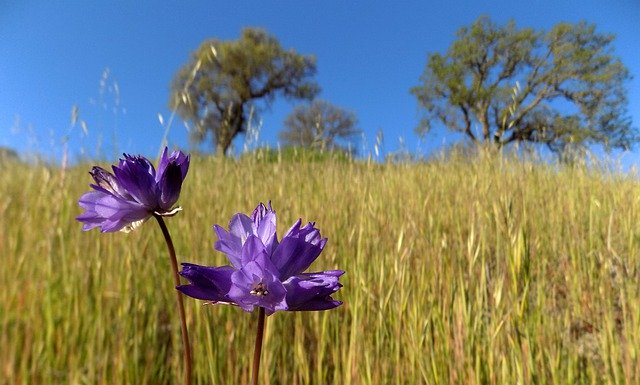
(483, 117)
(221, 149)
(233, 125)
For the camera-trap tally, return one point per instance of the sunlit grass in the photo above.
(458, 272)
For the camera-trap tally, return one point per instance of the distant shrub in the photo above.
(8, 155)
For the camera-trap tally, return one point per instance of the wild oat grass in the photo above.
(458, 272)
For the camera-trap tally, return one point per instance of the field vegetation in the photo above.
(476, 270)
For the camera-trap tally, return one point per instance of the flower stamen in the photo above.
(259, 290)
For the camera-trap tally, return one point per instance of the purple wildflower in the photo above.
(265, 272)
(134, 192)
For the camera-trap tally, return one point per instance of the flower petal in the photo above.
(137, 176)
(108, 183)
(230, 243)
(170, 185)
(178, 158)
(298, 249)
(172, 169)
(264, 220)
(163, 163)
(206, 283)
(312, 291)
(109, 212)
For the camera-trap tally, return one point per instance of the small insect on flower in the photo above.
(265, 272)
(124, 199)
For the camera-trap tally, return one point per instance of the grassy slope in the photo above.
(491, 272)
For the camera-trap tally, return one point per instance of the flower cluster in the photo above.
(265, 272)
(134, 192)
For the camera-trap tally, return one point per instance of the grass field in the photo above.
(458, 272)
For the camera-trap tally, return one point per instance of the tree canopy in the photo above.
(218, 90)
(320, 125)
(500, 84)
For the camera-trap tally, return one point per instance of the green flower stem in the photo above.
(183, 319)
(258, 348)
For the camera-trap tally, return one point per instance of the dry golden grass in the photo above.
(460, 272)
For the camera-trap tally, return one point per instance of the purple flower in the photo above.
(134, 192)
(264, 272)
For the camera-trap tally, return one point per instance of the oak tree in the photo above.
(226, 82)
(501, 84)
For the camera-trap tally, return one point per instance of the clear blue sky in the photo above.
(369, 53)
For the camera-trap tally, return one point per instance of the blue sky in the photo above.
(54, 55)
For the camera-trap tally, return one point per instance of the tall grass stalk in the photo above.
(484, 271)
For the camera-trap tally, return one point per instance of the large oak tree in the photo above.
(226, 82)
(500, 84)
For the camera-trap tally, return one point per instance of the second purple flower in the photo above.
(265, 272)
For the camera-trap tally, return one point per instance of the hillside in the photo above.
(458, 272)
